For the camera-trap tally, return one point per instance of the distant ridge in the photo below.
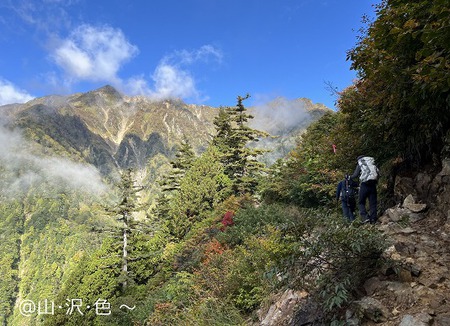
(111, 130)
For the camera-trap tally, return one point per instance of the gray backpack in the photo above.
(369, 170)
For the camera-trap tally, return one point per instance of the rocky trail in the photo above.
(413, 288)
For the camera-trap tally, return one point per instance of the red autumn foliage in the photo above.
(227, 220)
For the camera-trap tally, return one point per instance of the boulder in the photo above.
(396, 213)
(441, 181)
(422, 319)
(372, 309)
(282, 311)
(422, 183)
(372, 285)
(410, 204)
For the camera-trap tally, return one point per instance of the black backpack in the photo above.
(350, 190)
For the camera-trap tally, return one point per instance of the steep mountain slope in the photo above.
(412, 286)
(109, 130)
(57, 153)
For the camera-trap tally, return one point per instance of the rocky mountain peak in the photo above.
(108, 91)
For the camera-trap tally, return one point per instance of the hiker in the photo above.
(368, 175)
(346, 192)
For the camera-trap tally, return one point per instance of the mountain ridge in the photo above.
(111, 130)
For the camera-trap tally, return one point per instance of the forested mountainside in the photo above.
(228, 240)
(62, 161)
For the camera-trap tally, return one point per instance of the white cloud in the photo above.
(203, 54)
(22, 168)
(10, 93)
(279, 115)
(171, 81)
(94, 54)
(172, 77)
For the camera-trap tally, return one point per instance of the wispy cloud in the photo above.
(206, 53)
(22, 169)
(280, 115)
(172, 77)
(45, 16)
(9, 93)
(93, 54)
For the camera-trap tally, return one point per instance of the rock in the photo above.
(422, 183)
(372, 309)
(445, 167)
(405, 248)
(402, 293)
(407, 230)
(309, 313)
(410, 203)
(351, 319)
(372, 285)
(419, 320)
(414, 217)
(441, 179)
(403, 187)
(415, 270)
(404, 275)
(442, 320)
(395, 214)
(282, 311)
(384, 219)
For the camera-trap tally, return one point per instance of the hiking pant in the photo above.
(368, 190)
(348, 209)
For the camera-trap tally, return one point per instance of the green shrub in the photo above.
(334, 259)
(253, 221)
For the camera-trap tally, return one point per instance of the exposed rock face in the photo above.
(291, 308)
(282, 311)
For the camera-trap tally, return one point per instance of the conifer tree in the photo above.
(232, 139)
(183, 161)
(202, 188)
(123, 212)
(223, 129)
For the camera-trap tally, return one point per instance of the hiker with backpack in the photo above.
(368, 176)
(346, 191)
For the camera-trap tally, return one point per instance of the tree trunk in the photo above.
(125, 252)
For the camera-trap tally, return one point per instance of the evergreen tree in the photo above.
(183, 161)
(232, 139)
(123, 212)
(223, 129)
(203, 187)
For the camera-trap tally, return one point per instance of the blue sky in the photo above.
(203, 51)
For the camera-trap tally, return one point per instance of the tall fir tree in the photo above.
(233, 136)
(183, 161)
(123, 212)
(170, 184)
(204, 186)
